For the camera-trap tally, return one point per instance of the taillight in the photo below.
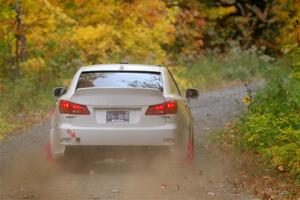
(67, 107)
(169, 107)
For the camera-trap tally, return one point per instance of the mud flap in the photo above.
(190, 146)
(48, 154)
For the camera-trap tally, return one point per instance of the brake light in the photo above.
(67, 107)
(169, 107)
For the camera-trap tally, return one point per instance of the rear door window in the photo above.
(120, 79)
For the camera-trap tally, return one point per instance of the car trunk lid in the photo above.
(117, 106)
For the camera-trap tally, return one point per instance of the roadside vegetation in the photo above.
(214, 70)
(206, 44)
(271, 127)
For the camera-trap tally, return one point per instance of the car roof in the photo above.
(122, 67)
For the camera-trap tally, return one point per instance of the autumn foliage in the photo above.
(206, 42)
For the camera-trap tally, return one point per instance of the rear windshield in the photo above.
(113, 79)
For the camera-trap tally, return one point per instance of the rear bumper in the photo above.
(68, 135)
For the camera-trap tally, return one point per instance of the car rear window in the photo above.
(120, 79)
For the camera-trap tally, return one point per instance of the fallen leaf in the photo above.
(266, 177)
(211, 194)
(115, 191)
(280, 168)
(265, 196)
(163, 186)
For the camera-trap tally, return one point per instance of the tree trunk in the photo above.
(20, 40)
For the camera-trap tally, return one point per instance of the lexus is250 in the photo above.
(122, 105)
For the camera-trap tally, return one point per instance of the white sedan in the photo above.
(122, 105)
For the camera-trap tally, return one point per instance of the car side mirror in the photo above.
(59, 91)
(191, 93)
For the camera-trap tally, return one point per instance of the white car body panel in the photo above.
(140, 130)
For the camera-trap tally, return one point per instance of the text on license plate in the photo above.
(117, 116)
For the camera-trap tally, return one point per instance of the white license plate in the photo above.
(117, 116)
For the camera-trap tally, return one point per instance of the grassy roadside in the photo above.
(254, 174)
(23, 104)
(267, 137)
(218, 71)
(271, 127)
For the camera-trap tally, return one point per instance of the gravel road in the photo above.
(25, 173)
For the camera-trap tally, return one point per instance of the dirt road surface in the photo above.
(25, 173)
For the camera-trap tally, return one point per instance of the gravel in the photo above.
(25, 173)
